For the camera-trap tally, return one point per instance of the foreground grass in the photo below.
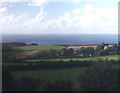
(8, 54)
(111, 57)
(51, 75)
(42, 47)
(71, 74)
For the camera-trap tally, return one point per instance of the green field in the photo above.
(10, 53)
(54, 74)
(42, 47)
(111, 57)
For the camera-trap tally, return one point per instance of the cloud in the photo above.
(90, 20)
(77, 11)
(76, 1)
(41, 16)
(37, 3)
(2, 3)
(3, 10)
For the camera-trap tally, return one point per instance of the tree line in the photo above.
(53, 65)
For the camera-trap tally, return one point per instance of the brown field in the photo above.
(25, 54)
(22, 47)
(94, 46)
(31, 52)
(78, 47)
(108, 46)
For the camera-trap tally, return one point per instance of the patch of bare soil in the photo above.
(22, 47)
(25, 54)
(78, 47)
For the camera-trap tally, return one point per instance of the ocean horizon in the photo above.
(72, 39)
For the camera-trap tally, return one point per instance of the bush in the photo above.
(7, 80)
(99, 77)
(103, 52)
(26, 84)
(21, 84)
(59, 86)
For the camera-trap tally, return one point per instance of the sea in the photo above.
(84, 39)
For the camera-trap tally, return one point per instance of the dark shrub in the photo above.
(99, 77)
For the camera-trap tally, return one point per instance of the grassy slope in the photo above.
(54, 74)
(71, 74)
(11, 51)
(12, 44)
(24, 51)
(8, 54)
(111, 57)
(42, 47)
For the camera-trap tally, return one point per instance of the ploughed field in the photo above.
(85, 46)
(25, 53)
(78, 47)
(31, 50)
(40, 47)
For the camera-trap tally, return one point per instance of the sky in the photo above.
(61, 17)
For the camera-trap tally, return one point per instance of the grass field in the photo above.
(10, 53)
(40, 47)
(111, 57)
(52, 75)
